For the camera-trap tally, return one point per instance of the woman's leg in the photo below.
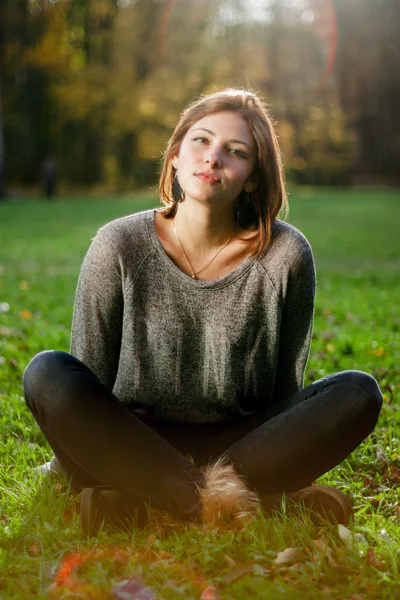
(308, 434)
(99, 441)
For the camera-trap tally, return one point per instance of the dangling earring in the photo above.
(245, 211)
(177, 192)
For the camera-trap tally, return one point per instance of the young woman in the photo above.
(190, 337)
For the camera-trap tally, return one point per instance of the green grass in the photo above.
(356, 243)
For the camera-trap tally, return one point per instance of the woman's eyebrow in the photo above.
(212, 133)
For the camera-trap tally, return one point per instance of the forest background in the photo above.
(99, 84)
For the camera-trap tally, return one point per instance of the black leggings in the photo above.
(99, 441)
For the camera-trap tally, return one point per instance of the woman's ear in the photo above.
(175, 161)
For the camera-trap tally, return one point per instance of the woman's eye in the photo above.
(200, 140)
(237, 152)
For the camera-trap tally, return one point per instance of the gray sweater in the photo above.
(179, 349)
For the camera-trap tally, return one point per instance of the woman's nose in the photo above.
(213, 158)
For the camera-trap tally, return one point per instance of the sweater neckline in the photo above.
(183, 277)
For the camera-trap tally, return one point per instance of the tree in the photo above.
(2, 146)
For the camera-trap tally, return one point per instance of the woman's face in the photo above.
(216, 159)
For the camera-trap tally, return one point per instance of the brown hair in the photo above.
(269, 198)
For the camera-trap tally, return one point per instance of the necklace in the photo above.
(195, 273)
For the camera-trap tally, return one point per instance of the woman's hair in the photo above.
(269, 197)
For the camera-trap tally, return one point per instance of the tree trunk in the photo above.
(2, 149)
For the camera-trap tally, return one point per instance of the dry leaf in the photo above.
(239, 571)
(25, 314)
(151, 539)
(321, 543)
(133, 589)
(163, 554)
(288, 557)
(23, 285)
(345, 534)
(35, 549)
(210, 593)
(380, 455)
(374, 561)
(378, 351)
(66, 573)
(229, 561)
(394, 474)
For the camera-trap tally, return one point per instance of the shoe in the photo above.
(325, 503)
(105, 506)
(50, 468)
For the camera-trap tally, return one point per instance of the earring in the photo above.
(245, 211)
(177, 192)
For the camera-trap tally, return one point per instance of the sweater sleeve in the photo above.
(98, 311)
(296, 326)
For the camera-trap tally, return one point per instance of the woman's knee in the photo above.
(365, 389)
(43, 371)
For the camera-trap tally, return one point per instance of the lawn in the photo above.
(356, 242)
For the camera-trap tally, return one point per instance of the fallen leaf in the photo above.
(289, 556)
(66, 572)
(239, 571)
(10, 332)
(58, 488)
(151, 539)
(133, 589)
(26, 315)
(374, 561)
(35, 549)
(393, 474)
(378, 351)
(380, 455)
(210, 593)
(369, 483)
(321, 543)
(328, 335)
(229, 561)
(383, 535)
(163, 554)
(345, 534)
(23, 285)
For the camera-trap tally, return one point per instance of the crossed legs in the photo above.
(99, 441)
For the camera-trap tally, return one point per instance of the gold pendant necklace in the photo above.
(194, 273)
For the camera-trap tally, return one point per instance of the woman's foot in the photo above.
(325, 503)
(105, 506)
(50, 468)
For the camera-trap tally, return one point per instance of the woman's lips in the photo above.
(207, 177)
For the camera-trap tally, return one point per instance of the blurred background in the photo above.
(91, 89)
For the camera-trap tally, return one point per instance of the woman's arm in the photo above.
(98, 311)
(296, 326)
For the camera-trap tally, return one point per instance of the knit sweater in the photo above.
(180, 349)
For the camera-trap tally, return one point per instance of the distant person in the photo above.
(191, 332)
(49, 177)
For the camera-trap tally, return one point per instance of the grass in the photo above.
(357, 249)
